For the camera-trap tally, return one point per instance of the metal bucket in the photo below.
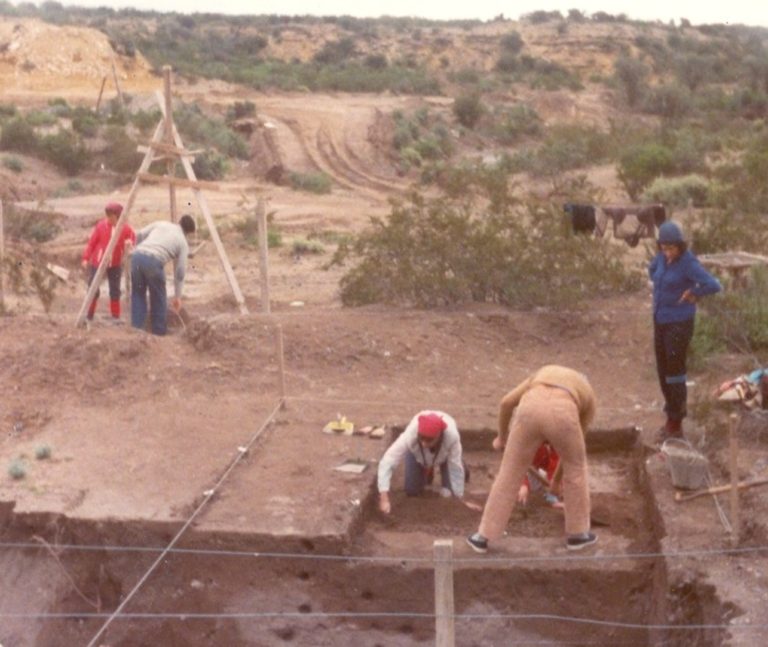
(687, 467)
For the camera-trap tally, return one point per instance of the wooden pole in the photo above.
(101, 92)
(98, 277)
(733, 445)
(170, 165)
(444, 605)
(281, 360)
(261, 216)
(2, 260)
(117, 84)
(202, 202)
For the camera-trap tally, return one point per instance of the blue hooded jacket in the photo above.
(670, 281)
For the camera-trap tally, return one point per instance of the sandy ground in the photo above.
(147, 434)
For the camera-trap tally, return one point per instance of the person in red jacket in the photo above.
(545, 462)
(94, 251)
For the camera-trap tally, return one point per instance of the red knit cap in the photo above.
(113, 207)
(431, 425)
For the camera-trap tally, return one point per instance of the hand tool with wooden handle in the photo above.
(717, 489)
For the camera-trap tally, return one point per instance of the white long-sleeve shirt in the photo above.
(450, 451)
(165, 241)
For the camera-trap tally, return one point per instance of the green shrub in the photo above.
(642, 164)
(197, 128)
(42, 452)
(85, 122)
(677, 191)
(508, 125)
(41, 118)
(512, 42)
(210, 166)
(19, 136)
(311, 182)
(720, 230)
(65, 151)
(240, 110)
(17, 470)
(146, 120)
(7, 110)
(468, 109)
(631, 75)
(736, 320)
(504, 256)
(121, 155)
(13, 164)
(302, 246)
(37, 226)
(669, 101)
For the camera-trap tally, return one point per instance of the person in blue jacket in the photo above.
(678, 281)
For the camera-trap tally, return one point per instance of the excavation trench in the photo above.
(374, 586)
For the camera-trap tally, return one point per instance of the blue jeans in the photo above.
(148, 274)
(415, 478)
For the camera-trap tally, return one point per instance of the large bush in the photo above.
(736, 320)
(468, 109)
(441, 252)
(66, 151)
(642, 164)
(19, 136)
(677, 191)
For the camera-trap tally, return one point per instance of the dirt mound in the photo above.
(38, 56)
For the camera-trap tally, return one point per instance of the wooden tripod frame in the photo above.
(167, 141)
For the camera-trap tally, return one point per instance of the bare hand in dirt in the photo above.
(473, 506)
(384, 505)
(522, 495)
(498, 445)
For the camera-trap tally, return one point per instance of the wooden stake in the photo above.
(261, 216)
(117, 84)
(101, 92)
(2, 260)
(444, 605)
(170, 165)
(281, 360)
(733, 445)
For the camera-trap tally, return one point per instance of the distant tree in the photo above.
(512, 42)
(631, 74)
(642, 164)
(693, 70)
(468, 109)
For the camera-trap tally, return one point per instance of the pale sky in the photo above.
(746, 12)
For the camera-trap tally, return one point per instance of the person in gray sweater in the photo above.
(157, 244)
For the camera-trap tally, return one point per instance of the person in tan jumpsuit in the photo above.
(554, 404)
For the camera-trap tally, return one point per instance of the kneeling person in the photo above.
(431, 440)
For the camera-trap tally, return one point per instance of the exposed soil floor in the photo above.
(183, 439)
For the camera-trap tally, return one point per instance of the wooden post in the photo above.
(117, 84)
(101, 92)
(2, 260)
(733, 445)
(261, 216)
(281, 361)
(444, 606)
(170, 165)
